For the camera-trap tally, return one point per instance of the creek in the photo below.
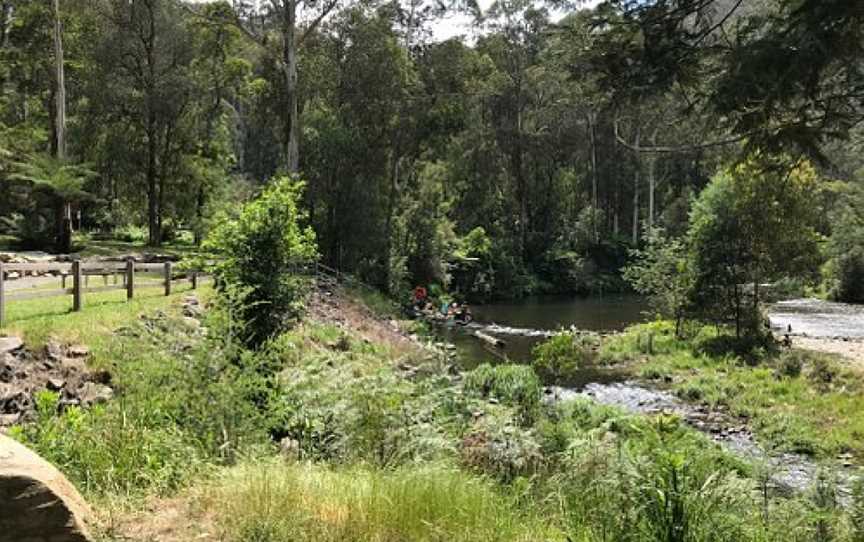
(523, 324)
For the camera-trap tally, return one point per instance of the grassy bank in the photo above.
(795, 401)
(381, 443)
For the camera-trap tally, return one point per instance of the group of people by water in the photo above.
(425, 306)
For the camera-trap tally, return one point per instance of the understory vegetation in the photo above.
(384, 445)
(704, 153)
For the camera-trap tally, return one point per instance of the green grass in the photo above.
(37, 320)
(819, 412)
(270, 502)
(377, 302)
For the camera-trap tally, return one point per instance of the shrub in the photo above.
(856, 510)
(789, 364)
(562, 355)
(131, 234)
(182, 404)
(516, 385)
(261, 248)
(498, 448)
(822, 370)
(849, 277)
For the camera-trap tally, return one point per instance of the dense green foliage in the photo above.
(754, 223)
(559, 357)
(262, 251)
(528, 161)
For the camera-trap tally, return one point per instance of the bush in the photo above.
(789, 364)
(849, 273)
(515, 385)
(261, 248)
(131, 234)
(560, 357)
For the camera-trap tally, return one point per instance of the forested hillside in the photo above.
(529, 157)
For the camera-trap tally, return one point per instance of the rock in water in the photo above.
(37, 503)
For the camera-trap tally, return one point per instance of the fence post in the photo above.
(194, 280)
(130, 279)
(167, 278)
(76, 285)
(2, 295)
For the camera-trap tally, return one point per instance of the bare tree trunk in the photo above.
(592, 136)
(651, 188)
(149, 41)
(61, 84)
(165, 163)
(64, 240)
(155, 236)
(636, 189)
(6, 12)
(289, 68)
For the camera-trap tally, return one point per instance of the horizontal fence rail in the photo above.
(122, 276)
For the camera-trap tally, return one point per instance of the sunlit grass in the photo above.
(37, 320)
(270, 502)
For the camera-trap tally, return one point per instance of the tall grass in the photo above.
(271, 502)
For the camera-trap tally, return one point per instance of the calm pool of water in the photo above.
(517, 324)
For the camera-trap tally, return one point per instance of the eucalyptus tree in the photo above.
(292, 22)
(142, 84)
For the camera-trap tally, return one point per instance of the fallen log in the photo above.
(493, 341)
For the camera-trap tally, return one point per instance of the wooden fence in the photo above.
(121, 275)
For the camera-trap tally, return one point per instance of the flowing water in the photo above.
(523, 324)
(817, 318)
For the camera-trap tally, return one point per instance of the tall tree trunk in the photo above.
(155, 236)
(149, 41)
(165, 163)
(636, 189)
(651, 188)
(6, 12)
(289, 68)
(64, 241)
(60, 119)
(592, 136)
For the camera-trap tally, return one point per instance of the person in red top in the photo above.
(420, 296)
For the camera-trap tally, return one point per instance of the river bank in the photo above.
(351, 426)
(796, 414)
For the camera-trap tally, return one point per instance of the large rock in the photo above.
(10, 344)
(37, 503)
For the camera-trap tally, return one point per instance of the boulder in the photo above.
(37, 503)
(92, 393)
(10, 344)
